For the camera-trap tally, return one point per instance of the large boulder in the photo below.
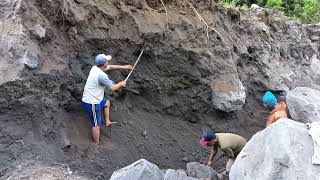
(282, 151)
(228, 93)
(177, 175)
(139, 170)
(201, 171)
(304, 104)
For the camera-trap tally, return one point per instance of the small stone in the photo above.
(183, 12)
(2, 100)
(144, 134)
(70, 172)
(72, 31)
(38, 31)
(315, 38)
(254, 7)
(30, 60)
(185, 159)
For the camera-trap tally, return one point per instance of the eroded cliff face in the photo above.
(191, 77)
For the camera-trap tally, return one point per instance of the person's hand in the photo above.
(128, 67)
(107, 68)
(209, 163)
(123, 83)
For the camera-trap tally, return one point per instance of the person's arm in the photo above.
(271, 119)
(276, 108)
(117, 86)
(213, 154)
(106, 82)
(118, 67)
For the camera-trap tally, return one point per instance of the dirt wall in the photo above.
(168, 100)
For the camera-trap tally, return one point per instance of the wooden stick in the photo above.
(204, 22)
(165, 9)
(134, 66)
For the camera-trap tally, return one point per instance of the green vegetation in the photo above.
(307, 11)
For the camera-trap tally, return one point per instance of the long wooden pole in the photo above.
(134, 66)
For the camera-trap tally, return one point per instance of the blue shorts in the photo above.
(94, 112)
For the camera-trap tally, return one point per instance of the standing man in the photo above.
(278, 110)
(230, 145)
(93, 100)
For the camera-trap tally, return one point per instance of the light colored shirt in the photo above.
(96, 83)
(231, 144)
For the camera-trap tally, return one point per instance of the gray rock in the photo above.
(144, 133)
(315, 65)
(254, 7)
(281, 151)
(185, 159)
(72, 31)
(198, 170)
(228, 94)
(315, 38)
(39, 32)
(30, 61)
(139, 170)
(177, 175)
(304, 104)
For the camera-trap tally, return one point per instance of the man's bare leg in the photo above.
(96, 134)
(107, 114)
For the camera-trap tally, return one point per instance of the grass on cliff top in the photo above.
(305, 11)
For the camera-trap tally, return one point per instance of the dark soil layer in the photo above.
(167, 102)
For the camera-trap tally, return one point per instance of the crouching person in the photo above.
(230, 145)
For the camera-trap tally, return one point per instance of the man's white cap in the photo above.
(107, 57)
(102, 58)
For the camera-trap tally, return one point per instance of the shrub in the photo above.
(311, 11)
(275, 4)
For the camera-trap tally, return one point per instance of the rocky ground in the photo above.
(194, 75)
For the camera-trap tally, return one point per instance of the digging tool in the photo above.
(134, 66)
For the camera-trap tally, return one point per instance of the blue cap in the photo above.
(208, 135)
(269, 99)
(102, 58)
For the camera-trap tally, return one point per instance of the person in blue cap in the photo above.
(230, 145)
(278, 109)
(93, 100)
